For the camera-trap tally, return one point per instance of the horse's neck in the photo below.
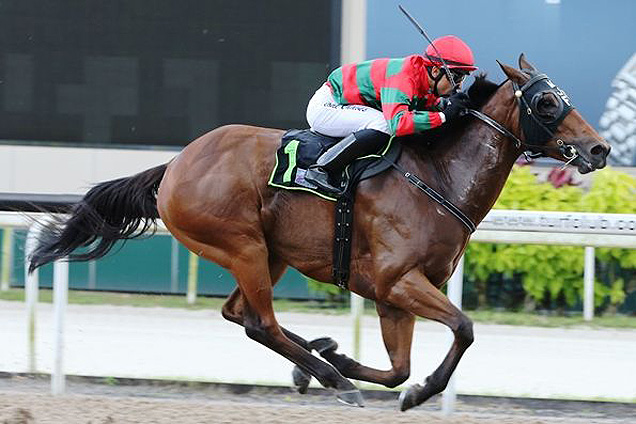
(472, 171)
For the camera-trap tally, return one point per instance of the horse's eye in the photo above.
(547, 104)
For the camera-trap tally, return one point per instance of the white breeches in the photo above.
(329, 118)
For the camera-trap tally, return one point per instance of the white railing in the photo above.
(552, 228)
(34, 222)
(513, 227)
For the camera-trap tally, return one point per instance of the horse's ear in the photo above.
(513, 74)
(524, 65)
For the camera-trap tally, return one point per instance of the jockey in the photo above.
(367, 102)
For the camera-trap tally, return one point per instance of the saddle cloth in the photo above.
(301, 148)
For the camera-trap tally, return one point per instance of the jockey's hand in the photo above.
(456, 104)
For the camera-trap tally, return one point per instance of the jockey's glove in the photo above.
(456, 104)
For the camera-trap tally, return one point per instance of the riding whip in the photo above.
(421, 30)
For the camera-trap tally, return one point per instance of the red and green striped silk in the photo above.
(392, 86)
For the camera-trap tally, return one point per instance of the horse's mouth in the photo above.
(583, 165)
(586, 162)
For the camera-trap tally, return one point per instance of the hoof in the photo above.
(301, 380)
(323, 344)
(351, 398)
(408, 398)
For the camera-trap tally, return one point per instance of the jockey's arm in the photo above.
(401, 120)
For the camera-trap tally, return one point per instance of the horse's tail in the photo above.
(120, 209)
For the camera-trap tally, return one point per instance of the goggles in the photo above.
(459, 75)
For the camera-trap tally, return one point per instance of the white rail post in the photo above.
(357, 310)
(60, 300)
(588, 284)
(454, 293)
(7, 255)
(193, 278)
(353, 48)
(92, 275)
(31, 283)
(353, 31)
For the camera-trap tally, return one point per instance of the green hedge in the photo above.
(552, 276)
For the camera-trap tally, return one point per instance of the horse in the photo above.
(214, 198)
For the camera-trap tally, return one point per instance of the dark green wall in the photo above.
(144, 266)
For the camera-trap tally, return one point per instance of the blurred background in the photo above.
(96, 90)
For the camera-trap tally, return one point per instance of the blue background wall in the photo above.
(580, 44)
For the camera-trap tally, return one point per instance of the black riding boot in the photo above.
(333, 161)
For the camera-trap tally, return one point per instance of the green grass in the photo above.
(541, 320)
(171, 301)
(166, 301)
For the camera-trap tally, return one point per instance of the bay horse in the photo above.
(214, 198)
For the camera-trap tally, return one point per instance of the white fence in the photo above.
(553, 228)
(513, 227)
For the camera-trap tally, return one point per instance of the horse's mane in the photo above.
(432, 145)
(481, 90)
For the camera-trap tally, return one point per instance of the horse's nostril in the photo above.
(597, 150)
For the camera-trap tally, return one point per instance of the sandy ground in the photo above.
(111, 341)
(22, 401)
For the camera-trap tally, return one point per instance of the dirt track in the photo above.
(24, 401)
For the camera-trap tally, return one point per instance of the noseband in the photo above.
(539, 129)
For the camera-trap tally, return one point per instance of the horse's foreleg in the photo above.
(415, 293)
(397, 333)
(261, 325)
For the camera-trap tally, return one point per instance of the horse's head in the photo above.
(548, 123)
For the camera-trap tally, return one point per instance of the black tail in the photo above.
(114, 210)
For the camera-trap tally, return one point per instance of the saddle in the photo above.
(300, 149)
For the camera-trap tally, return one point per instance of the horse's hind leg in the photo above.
(252, 274)
(415, 293)
(397, 333)
(233, 307)
(233, 311)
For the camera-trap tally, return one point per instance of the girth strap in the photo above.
(344, 231)
(343, 240)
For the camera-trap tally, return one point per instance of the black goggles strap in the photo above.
(437, 79)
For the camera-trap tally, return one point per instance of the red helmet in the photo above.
(453, 50)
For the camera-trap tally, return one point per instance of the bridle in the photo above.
(534, 126)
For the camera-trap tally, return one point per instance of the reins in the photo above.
(430, 192)
(531, 126)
